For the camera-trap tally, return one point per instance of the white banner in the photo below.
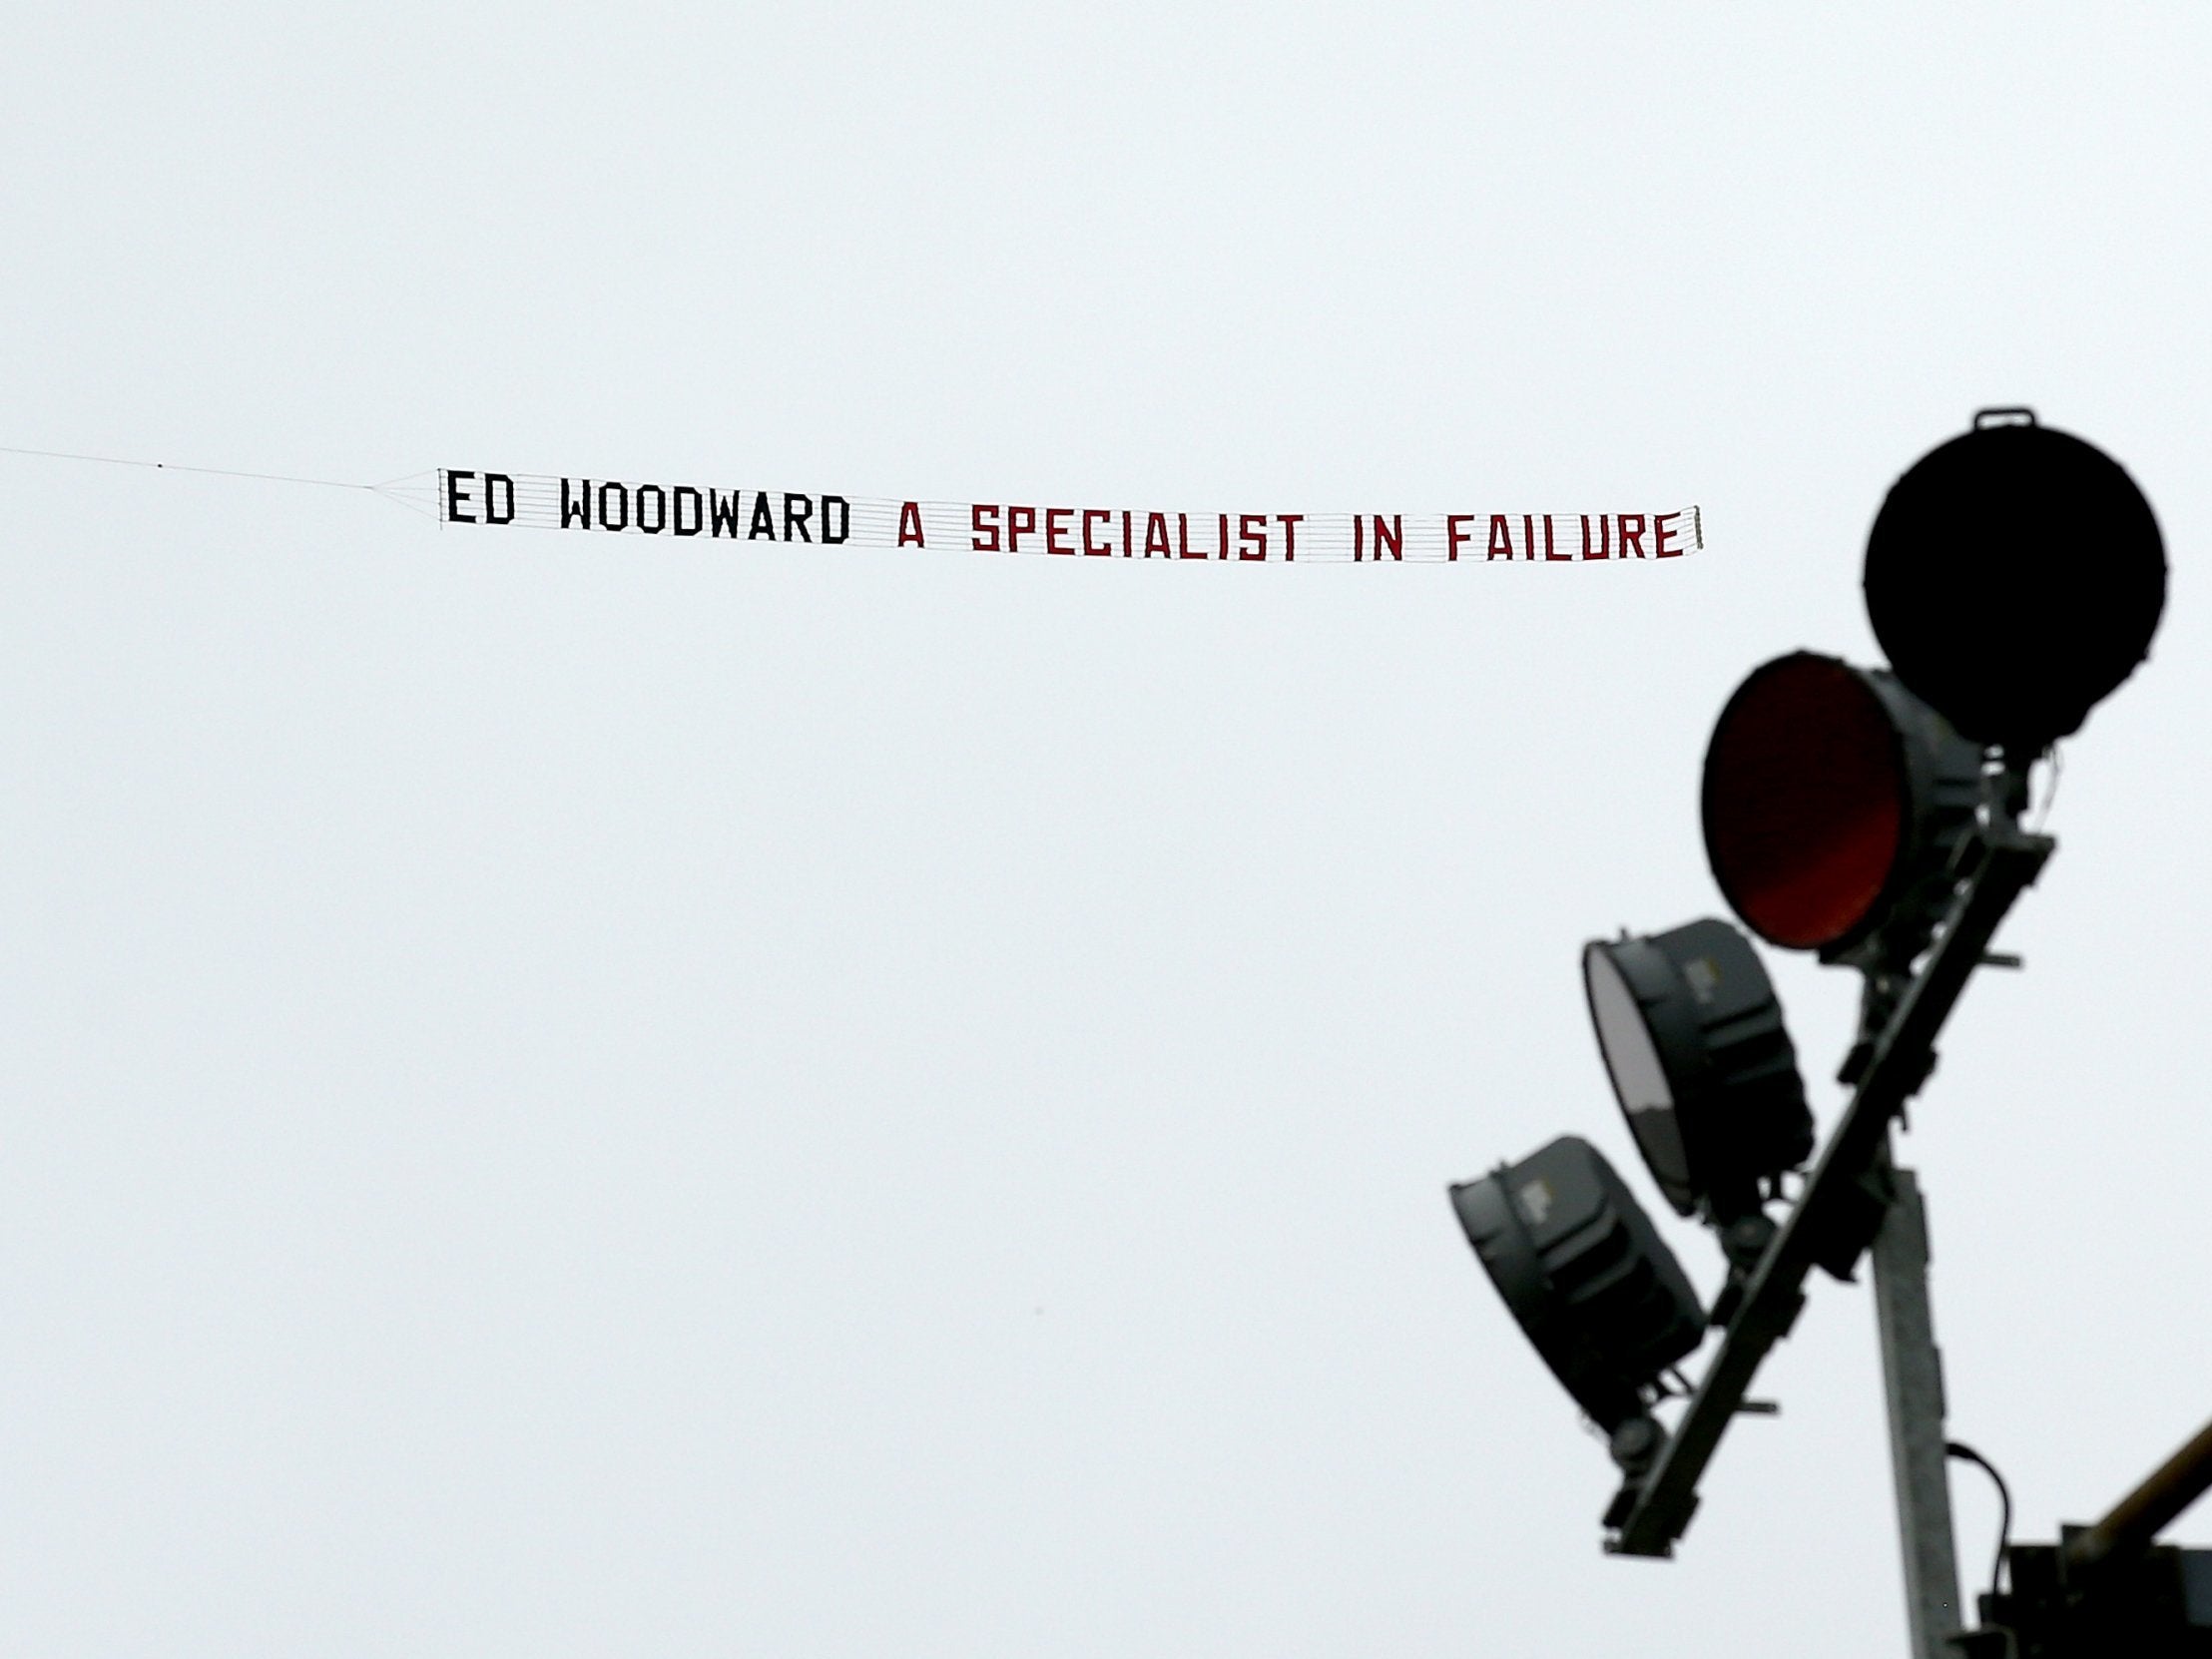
(628, 507)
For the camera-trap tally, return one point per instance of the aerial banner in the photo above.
(626, 507)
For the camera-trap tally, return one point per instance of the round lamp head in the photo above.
(1585, 1273)
(2014, 577)
(1700, 1064)
(1833, 800)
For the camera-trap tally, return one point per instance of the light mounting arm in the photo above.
(1842, 1205)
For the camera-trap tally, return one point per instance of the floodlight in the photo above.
(1701, 1064)
(2014, 577)
(1585, 1274)
(1834, 800)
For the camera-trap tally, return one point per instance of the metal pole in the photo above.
(1913, 1379)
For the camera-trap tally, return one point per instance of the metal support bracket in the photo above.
(1827, 1227)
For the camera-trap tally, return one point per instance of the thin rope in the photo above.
(213, 471)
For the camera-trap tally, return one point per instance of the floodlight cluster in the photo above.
(1838, 804)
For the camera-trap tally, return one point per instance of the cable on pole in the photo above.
(1966, 1454)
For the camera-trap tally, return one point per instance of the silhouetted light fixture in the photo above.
(1586, 1275)
(1701, 1064)
(2014, 577)
(1834, 800)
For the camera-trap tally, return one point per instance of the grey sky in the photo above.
(568, 1096)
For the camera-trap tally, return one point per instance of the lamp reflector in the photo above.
(1829, 791)
(1639, 1075)
(1693, 1040)
(1804, 800)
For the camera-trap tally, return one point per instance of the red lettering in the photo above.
(1156, 536)
(983, 520)
(1095, 515)
(1502, 539)
(1568, 557)
(909, 524)
(1249, 536)
(1392, 536)
(1659, 535)
(1359, 539)
(1604, 537)
(1020, 522)
(1454, 537)
(1221, 527)
(1183, 536)
(1632, 537)
(1289, 523)
(1054, 530)
(1125, 534)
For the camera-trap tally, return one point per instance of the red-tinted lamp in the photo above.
(1832, 797)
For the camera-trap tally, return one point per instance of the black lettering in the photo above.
(698, 513)
(577, 511)
(725, 510)
(764, 520)
(492, 503)
(607, 519)
(660, 508)
(836, 530)
(794, 518)
(454, 499)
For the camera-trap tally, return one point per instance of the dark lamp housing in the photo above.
(2014, 577)
(1700, 1064)
(1833, 800)
(1585, 1275)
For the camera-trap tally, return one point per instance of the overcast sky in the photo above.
(567, 1095)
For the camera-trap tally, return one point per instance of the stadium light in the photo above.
(1589, 1281)
(2014, 577)
(1833, 801)
(1692, 1036)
